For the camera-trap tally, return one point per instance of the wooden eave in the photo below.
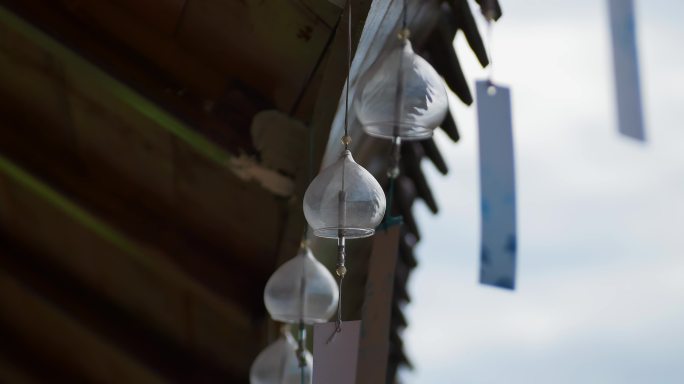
(128, 172)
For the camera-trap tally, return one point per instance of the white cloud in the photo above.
(601, 272)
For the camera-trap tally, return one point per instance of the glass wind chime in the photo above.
(344, 201)
(302, 292)
(400, 98)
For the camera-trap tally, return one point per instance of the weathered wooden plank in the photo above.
(163, 15)
(210, 264)
(270, 45)
(465, 20)
(123, 271)
(377, 309)
(432, 152)
(160, 50)
(9, 373)
(138, 340)
(165, 163)
(328, 10)
(93, 83)
(19, 358)
(64, 340)
(225, 120)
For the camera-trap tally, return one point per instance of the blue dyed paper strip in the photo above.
(626, 66)
(497, 186)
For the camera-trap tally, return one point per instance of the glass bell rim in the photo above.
(348, 232)
(376, 129)
(295, 319)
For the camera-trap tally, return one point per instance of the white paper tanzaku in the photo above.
(497, 186)
(335, 359)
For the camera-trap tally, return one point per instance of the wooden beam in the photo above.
(162, 15)
(170, 168)
(65, 341)
(159, 49)
(20, 364)
(214, 266)
(9, 373)
(134, 277)
(94, 314)
(270, 45)
(224, 118)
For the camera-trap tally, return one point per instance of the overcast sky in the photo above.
(600, 295)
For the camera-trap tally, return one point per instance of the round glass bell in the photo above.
(302, 289)
(279, 363)
(344, 201)
(401, 95)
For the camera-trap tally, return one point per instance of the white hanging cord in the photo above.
(490, 28)
(489, 17)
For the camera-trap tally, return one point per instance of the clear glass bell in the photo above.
(401, 95)
(279, 363)
(344, 200)
(302, 289)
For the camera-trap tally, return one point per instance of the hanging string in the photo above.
(346, 139)
(395, 151)
(404, 22)
(338, 321)
(399, 92)
(392, 175)
(489, 17)
(341, 269)
(309, 175)
(490, 51)
(301, 335)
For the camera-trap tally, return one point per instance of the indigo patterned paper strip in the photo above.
(497, 186)
(626, 67)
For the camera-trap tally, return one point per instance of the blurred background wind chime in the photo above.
(401, 97)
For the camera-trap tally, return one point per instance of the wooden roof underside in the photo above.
(166, 222)
(137, 224)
